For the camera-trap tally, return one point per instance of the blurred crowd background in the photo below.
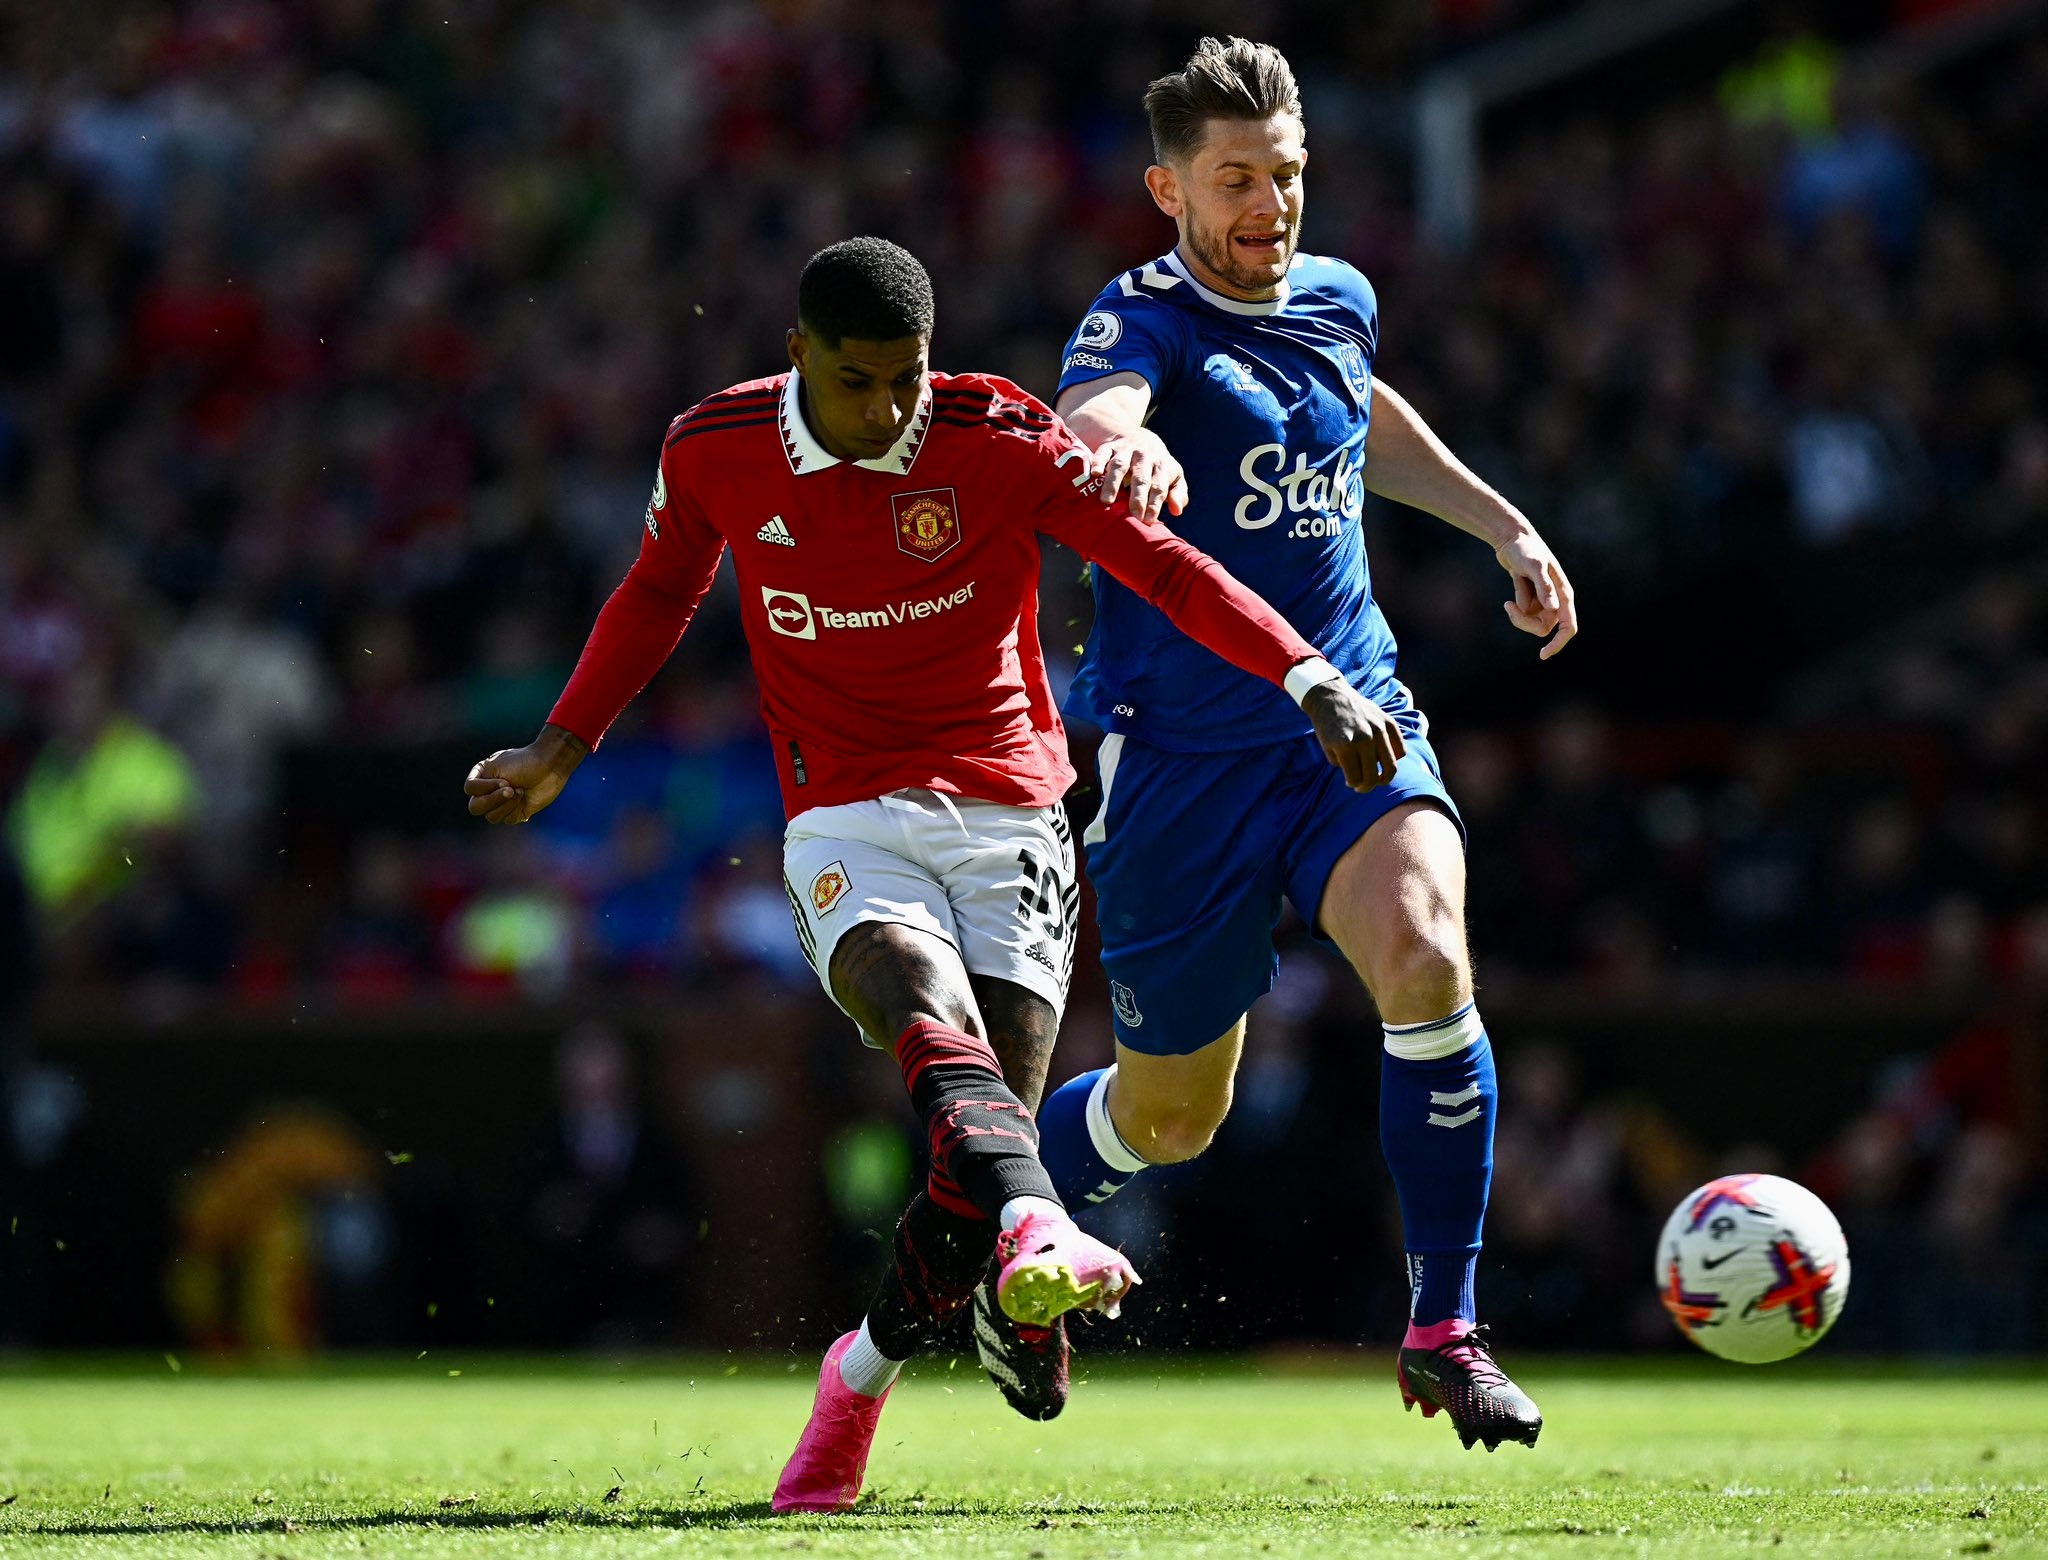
(336, 341)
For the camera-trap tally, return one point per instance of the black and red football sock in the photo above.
(940, 1255)
(984, 1143)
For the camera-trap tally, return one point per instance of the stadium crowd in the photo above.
(339, 337)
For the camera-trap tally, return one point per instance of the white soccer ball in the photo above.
(1753, 1268)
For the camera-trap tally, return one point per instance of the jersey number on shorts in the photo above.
(1042, 896)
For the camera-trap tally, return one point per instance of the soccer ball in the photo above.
(1752, 1268)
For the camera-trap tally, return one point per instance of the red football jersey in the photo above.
(891, 604)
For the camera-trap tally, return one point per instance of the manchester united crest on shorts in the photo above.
(829, 887)
(927, 522)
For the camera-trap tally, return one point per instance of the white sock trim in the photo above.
(1109, 1143)
(866, 1369)
(1018, 1209)
(1441, 1037)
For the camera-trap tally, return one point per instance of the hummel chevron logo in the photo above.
(1463, 1096)
(775, 531)
(1151, 276)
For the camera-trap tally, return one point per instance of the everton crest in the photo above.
(1351, 362)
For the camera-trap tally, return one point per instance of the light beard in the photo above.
(1215, 252)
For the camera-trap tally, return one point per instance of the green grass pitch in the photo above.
(516, 1458)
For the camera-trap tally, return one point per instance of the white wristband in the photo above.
(1312, 673)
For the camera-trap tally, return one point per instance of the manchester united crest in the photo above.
(927, 522)
(829, 886)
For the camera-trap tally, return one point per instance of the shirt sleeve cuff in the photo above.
(1304, 675)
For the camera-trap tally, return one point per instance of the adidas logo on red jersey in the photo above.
(775, 531)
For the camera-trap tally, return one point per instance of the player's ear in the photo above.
(799, 348)
(1164, 184)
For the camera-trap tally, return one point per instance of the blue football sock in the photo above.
(1437, 1098)
(1078, 1143)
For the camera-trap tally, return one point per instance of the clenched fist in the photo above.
(1357, 735)
(515, 783)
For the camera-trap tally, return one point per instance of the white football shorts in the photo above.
(996, 882)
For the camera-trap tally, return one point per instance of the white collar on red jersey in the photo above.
(807, 455)
(1272, 305)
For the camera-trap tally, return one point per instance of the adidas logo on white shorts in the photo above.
(775, 531)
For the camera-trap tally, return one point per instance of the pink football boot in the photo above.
(825, 1470)
(1051, 1266)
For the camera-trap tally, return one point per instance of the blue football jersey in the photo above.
(1266, 406)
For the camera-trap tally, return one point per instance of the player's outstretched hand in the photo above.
(1357, 735)
(515, 783)
(1141, 459)
(1544, 604)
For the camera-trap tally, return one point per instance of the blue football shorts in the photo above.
(1191, 853)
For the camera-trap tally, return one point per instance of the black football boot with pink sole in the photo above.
(1460, 1378)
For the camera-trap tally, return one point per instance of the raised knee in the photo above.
(1172, 1134)
(1428, 971)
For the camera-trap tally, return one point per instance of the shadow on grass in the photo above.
(709, 1513)
(705, 1514)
